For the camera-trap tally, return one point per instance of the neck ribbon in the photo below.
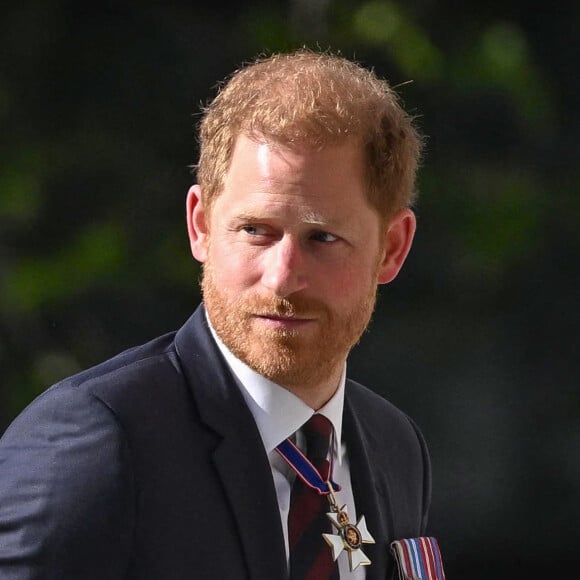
(304, 469)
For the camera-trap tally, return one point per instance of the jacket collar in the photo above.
(239, 457)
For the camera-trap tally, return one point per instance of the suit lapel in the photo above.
(369, 489)
(239, 458)
(247, 479)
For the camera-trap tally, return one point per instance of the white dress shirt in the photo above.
(279, 414)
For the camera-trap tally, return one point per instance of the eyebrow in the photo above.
(311, 218)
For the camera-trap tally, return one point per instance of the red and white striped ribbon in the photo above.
(418, 559)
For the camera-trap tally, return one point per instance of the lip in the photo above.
(283, 322)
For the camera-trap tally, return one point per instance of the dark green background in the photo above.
(477, 338)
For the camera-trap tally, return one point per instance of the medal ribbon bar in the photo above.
(418, 559)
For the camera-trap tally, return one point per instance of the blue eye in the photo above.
(254, 230)
(324, 237)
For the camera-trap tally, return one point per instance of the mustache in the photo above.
(264, 305)
(297, 306)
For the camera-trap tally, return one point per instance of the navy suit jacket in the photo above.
(150, 466)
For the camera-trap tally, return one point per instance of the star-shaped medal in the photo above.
(348, 537)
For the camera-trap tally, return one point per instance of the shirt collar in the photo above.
(278, 412)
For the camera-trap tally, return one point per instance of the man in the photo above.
(177, 459)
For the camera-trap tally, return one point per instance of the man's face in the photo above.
(293, 250)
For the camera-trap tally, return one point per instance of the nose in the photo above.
(284, 268)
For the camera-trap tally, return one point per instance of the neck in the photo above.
(317, 395)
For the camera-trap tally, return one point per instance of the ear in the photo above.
(398, 238)
(197, 224)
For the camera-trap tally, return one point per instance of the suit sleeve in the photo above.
(66, 491)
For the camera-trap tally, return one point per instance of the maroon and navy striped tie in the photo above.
(310, 556)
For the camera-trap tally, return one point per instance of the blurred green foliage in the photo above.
(477, 337)
(94, 256)
(389, 27)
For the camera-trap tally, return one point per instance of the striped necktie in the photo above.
(310, 557)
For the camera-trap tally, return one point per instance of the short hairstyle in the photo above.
(313, 99)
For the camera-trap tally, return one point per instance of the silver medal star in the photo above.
(348, 537)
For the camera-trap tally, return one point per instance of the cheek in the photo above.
(233, 269)
(337, 283)
(351, 282)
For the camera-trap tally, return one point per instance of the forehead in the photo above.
(296, 184)
(258, 161)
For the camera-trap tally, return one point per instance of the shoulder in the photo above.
(66, 484)
(114, 386)
(86, 412)
(397, 451)
(388, 430)
(156, 358)
(375, 409)
(75, 461)
(396, 447)
(110, 402)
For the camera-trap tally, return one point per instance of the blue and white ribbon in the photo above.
(418, 559)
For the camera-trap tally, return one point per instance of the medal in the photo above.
(418, 558)
(348, 537)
